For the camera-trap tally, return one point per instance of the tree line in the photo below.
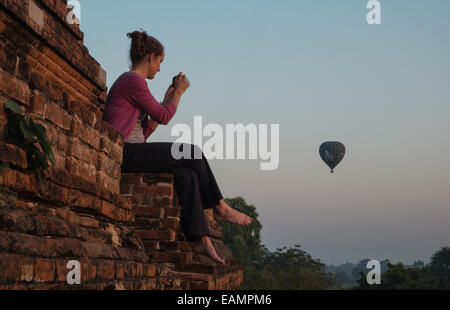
(291, 268)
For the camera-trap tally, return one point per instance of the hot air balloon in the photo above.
(332, 153)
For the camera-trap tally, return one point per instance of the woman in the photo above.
(128, 108)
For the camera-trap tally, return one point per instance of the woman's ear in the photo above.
(151, 57)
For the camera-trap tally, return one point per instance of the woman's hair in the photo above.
(141, 45)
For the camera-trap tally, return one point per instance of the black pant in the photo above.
(194, 181)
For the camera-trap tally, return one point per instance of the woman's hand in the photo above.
(169, 93)
(180, 83)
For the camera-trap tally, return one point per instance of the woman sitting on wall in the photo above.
(128, 108)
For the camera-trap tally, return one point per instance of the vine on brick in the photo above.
(25, 133)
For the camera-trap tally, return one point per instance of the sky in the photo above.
(320, 71)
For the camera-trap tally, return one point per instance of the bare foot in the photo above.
(204, 246)
(224, 213)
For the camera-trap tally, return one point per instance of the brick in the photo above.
(82, 112)
(170, 257)
(162, 190)
(36, 13)
(131, 178)
(24, 72)
(129, 270)
(105, 270)
(15, 268)
(62, 143)
(90, 136)
(156, 234)
(86, 221)
(58, 116)
(199, 285)
(89, 270)
(172, 212)
(44, 270)
(124, 215)
(14, 88)
(151, 245)
(109, 166)
(55, 91)
(8, 58)
(108, 209)
(37, 81)
(173, 223)
(149, 270)
(175, 245)
(125, 188)
(60, 160)
(149, 211)
(107, 183)
(158, 201)
(13, 154)
(99, 250)
(141, 190)
(125, 202)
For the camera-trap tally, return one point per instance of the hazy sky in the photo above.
(322, 73)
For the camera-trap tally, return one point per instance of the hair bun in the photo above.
(137, 35)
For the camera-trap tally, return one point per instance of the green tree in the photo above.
(286, 268)
(244, 241)
(399, 277)
(440, 265)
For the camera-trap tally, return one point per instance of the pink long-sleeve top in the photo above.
(127, 98)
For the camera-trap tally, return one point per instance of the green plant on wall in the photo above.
(25, 133)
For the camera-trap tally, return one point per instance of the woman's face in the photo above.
(154, 65)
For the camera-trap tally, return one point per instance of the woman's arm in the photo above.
(152, 124)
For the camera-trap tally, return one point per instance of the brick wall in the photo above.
(125, 235)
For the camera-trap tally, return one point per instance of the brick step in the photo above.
(211, 268)
(170, 257)
(156, 234)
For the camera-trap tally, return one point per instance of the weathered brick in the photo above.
(14, 88)
(105, 270)
(58, 116)
(172, 257)
(24, 69)
(105, 182)
(108, 210)
(175, 245)
(13, 154)
(86, 221)
(125, 188)
(37, 81)
(159, 201)
(15, 268)
(156, 234)
(161, 190)
(173, 212)
(90, 136)
(89, 271)
(149, 270)
(124, 215)
(151, 245)
(131, 178)
(44, 270)
(8, 58)
(82, 112)
(149, 211)
(99, 250)
(172, 223)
